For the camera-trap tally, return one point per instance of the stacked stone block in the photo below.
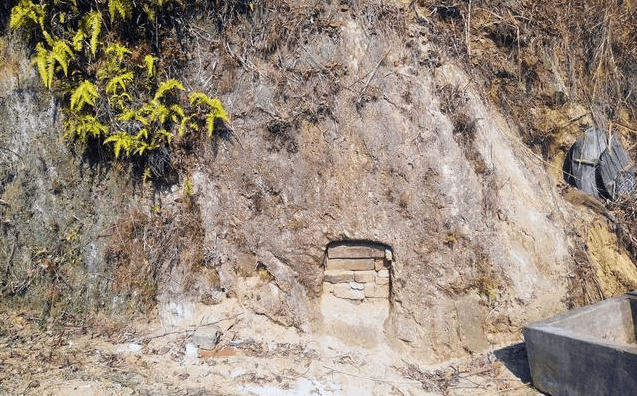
(357, 271)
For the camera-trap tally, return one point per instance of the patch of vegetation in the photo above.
(109, 63)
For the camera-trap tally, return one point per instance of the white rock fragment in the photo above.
(192, 351)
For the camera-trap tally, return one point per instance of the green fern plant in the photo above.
(122, 140)
(48, 60)
(90, 26)
(121, 81)
(211, 109)
(27, 15)
(85, 93)
(80, 127)
(153, 116)
(149, 63)
(112, 65)
(128, 96)
(167, 86)
(122, 9)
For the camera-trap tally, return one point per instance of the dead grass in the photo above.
(584, 286)
(146, 248)
(546, 56)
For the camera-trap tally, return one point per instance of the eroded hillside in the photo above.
(436, 130)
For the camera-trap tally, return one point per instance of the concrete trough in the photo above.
(590, 351)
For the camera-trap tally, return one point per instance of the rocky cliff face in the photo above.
(360, 130)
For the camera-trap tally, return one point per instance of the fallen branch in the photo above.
(413, 382)
(191, 330)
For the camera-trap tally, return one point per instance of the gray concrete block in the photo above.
(588, 351)
(343, 290)
(364, 276)
(338, 276)
(350, 264)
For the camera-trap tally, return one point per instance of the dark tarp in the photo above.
(599, 168)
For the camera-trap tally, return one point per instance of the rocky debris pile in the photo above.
(600, 166)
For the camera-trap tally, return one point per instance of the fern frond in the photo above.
(215, 109)
(199, 98)
(143, 146)
(83, 126)
(150, 12)
(120, 100)
(182, 125)
(61, 53)
(93, 23)
(162, 135)
(214, 105)
(46, 60)
(86, 93)
(122, 81)
(167, 86)
(120, 8)
(27, 15)
(176, 112)
(121, 140)
(126, 115)
(41, 61)
(115, 52)
(142, 134)
(149, 62)
(210, 124)
(47, 37)
(78, 38)
(159, 112)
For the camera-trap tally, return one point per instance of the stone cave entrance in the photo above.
(356, 289)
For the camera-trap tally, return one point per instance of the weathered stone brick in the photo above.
(380, 264)
(338, 276)
(327, 288)
(369, 289)
(343, 290)
(364, 276)
(381, 280)
(350, 264)
(355, 251)
(383, 274)
(376, 291)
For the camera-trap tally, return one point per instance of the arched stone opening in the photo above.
(356, 289)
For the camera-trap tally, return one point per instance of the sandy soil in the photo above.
(253, 357)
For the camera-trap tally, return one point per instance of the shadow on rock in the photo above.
(515, 359)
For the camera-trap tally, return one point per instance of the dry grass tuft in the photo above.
(146, 248)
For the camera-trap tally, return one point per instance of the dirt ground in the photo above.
(146, 358)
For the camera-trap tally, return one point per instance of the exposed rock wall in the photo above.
(472, 216)
(56, 208)
(355, 134)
